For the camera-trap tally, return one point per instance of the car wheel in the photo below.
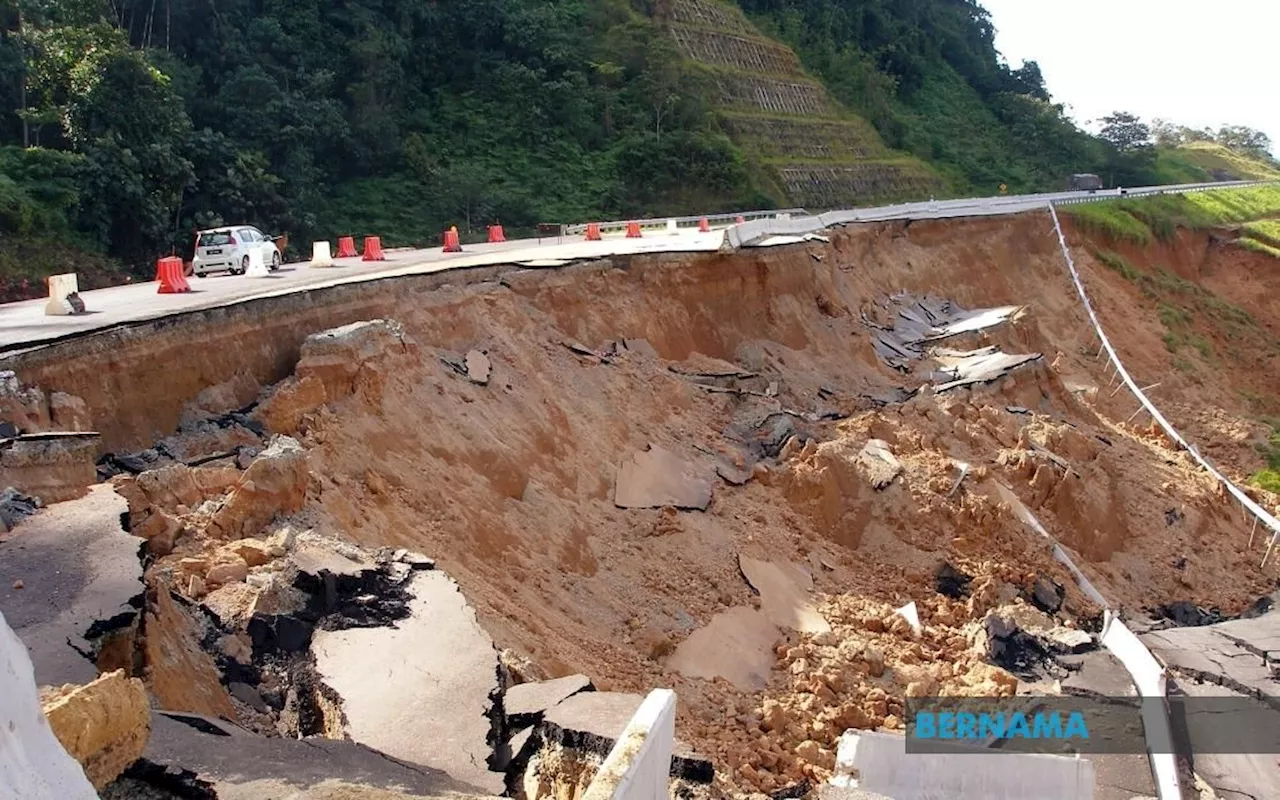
(275, 261)
(199, 274)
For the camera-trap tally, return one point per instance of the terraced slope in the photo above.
(817, 153)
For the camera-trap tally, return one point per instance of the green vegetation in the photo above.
(126, 125)
(1145, 219)
(928, 76)
(1269, 477)
(1119, 264)
(1200, 162)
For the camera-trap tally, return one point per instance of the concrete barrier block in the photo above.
(672, 228)
(882, 765)
(321, 255)
(257, 267)
(639, 765)
(59, 287)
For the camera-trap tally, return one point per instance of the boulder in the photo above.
(284, 407)
(337, 357)
(254, 552)
(274, 484)
(104, 725)
(170, 487)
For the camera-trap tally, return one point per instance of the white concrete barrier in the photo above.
(1149, 678)
(672, 228)
(879, 763)
(59, 287)
(639, 765)
(257, 267)
(33, 763)
(321, 256)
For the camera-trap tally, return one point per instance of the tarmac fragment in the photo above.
(657, 478)
(878, 463)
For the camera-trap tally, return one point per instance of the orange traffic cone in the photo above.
(451, 243)
(372, 249)
(347, 247)
(593, 231)
(496, 235)
(633, 230)
(704, 226)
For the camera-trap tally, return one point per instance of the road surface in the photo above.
(24, 325)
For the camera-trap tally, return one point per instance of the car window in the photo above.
(250, 235)
(258, 235)
(215, 238)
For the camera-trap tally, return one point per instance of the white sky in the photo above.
(1194, 62)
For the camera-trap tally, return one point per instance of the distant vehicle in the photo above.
(1084, 183)
(228, 249)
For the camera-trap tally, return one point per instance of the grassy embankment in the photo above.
(1184, 306)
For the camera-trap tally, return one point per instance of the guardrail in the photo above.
(758, 229)
(689, 222)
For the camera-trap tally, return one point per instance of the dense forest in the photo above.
(126, 124)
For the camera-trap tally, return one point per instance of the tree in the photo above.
(1246, 140)
(1125, 132)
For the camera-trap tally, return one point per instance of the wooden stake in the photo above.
(1253, 532)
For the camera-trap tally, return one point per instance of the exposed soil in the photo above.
(509, 484)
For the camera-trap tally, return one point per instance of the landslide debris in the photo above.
(763, 579)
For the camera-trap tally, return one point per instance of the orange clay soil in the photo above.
(510, 485)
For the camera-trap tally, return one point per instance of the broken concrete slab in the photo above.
(784, 590)
(525, 703)
(1235, 655)
(737, 645)
(591, 722)
(256, 767)
(429, 697)
(640, 347)
(82, 581)
(656, 478)
(878, 463)
(478, 367)
(15, 507)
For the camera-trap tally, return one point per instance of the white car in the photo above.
(228, 249)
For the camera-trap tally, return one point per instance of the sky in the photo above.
(1193, 62)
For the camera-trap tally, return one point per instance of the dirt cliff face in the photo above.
(757, 370)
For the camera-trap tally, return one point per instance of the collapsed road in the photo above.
(392, 547)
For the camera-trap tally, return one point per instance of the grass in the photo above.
(1256, 246)
(1145, 219)
(1207, 161)
(1269, 477)
(1266, 231)
(1119, 264)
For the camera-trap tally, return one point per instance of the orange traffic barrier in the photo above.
(373, 249)
(169, 273)
(347, 247)
(704, 226)
(496, 234)
(451, 243)
(633, 230)
(593, 231)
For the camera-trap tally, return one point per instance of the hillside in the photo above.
(124, 127)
